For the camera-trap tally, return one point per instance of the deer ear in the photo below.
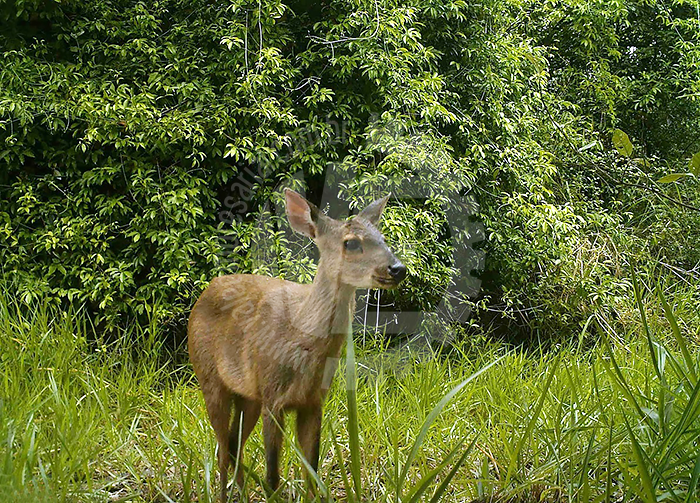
(303, 216)
(373, 212)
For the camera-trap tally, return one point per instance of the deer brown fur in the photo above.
(265, 346)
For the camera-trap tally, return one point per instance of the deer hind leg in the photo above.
(218, 401)
(244, 420)
(273, 427)
(309, 437)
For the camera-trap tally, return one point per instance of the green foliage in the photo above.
(143, 144)
(694, 164)
(615, 421)
(622, 143)
(125, 126)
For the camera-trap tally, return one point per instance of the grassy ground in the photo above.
(607, 422)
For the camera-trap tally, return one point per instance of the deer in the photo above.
(267, 346)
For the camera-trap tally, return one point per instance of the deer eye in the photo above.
(353, 245)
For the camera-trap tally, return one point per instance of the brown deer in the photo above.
(268, 345)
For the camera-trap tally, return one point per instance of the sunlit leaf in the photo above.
(622, 142)
(694, 164)
(672, 177)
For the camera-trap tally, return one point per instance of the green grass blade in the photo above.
(440, 490)
(314, 475)
(690, 414)
(616, 375)
(647, 483)
(608, 471)
(415, 494)
(531, 423)
(431, 418)
(630, 484)
(645, 324)
(583, 481)
(353, 420)
(582, 334)
(680, 371)
(341, 462)
(692, 486)
(678, 336)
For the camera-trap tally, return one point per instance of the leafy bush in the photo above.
(144, 144)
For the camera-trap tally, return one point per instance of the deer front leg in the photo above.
(273, 427)
(309, 436)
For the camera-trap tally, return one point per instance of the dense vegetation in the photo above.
(538, 153)
(612, 423)
(143, 143)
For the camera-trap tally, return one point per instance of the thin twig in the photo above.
(341, 40)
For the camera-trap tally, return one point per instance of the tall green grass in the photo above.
(82, 420)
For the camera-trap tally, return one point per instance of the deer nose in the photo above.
(397, 271)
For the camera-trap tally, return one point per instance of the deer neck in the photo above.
(328, 309)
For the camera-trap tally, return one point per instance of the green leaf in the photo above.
(692, 487)
(672, 177)
(647, 484)
(622, 142)
(431, 418)
(645, 324)
(415, 494)
(680, 340)
(441, 489)
(533, 420)
(694, 165)
(343, 472)
(313, 473)
(353, 420)
(586, 147)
